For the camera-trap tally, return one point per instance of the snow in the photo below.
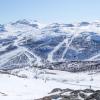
(23, 32)
(32, 83)
(25, 89)
(17, 88)
(67, 42)
(50, 56)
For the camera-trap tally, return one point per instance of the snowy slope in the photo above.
(31, 83)
(39, 43)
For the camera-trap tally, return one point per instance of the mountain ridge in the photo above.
(54, 43)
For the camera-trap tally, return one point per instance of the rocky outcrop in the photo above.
(69, 94)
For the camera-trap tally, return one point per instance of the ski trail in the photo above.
(69, 38)
(38, 59)
(23, 49)
(68, 43)
(50, 56)
(6, 57)
(13, 54)
(93, 58)
(29, 57)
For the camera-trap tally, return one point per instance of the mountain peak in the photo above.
(26, 22)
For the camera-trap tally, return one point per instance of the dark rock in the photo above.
(94, 96)
(82, 95)
(69, 94)
(56, 90)
(88, 91)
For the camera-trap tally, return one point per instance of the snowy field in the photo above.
(31, 83)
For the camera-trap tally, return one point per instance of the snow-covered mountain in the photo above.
(26, 42)
(68, 47)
